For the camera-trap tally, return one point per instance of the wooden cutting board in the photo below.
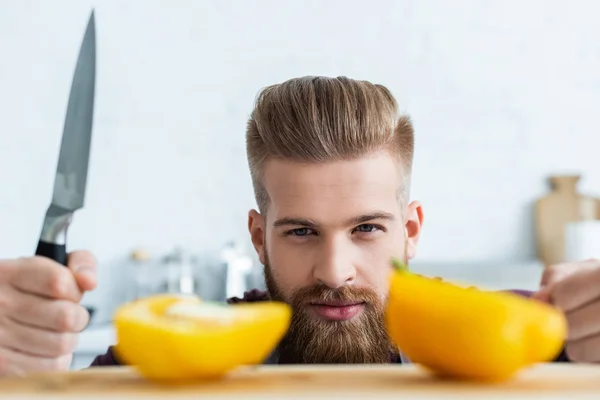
(545, 381)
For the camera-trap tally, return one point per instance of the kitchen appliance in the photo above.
(143, 275)
(237, 267)
(179, 272)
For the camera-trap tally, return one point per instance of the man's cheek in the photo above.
(288, 284)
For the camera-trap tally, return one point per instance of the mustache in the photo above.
(321, 293)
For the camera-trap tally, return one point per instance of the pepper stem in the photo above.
(399, 265)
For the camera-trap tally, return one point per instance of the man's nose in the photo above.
(334, 267)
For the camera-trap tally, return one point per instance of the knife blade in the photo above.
(71, 172)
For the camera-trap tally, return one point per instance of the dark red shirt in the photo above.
(109, 358)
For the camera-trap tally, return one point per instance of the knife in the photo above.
(71, 173)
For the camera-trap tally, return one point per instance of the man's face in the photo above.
(326, 243)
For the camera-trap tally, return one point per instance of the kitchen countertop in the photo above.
(390, 381)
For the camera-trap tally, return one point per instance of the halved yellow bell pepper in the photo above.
(174, 338)
(467, 333)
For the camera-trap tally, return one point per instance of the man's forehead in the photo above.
(356, 186)
(375, 173)
(346, 191)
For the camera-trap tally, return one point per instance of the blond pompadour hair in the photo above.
(322, 119)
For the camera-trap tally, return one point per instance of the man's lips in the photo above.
(337, 310)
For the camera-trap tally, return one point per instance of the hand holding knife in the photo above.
(41, 315)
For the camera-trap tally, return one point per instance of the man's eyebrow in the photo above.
(361, 219)
(295, 222)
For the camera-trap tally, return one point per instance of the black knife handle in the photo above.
(56, 252)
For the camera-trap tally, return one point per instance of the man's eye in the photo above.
(299, 232)
(367, 228)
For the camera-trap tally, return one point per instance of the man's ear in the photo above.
(256, 227)
(414, 223)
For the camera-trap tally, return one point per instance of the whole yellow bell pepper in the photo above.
(172, 338)
(467, 333)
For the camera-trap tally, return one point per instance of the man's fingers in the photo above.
(576, 290)
(45, 277)
(557, 272)
(584, 321)
(543, 294)
(83, 265)
(35, 341)
(550, 275)
(554, 274)
(81, 260)
(56, 315)
(584, 350)
(40, 317)
(14, 363)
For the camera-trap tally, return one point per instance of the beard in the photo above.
(311, 340)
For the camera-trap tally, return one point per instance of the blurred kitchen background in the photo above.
(504, 94)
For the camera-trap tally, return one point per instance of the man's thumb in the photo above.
(83, 265)
(86, 278)
(544, 294)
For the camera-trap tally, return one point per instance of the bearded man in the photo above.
(330, 160)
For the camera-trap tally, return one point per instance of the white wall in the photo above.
(502, 93)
